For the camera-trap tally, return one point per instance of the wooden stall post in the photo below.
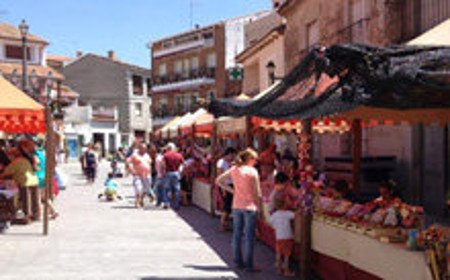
(305, 156)
(193, 133)
(248, 132)
(213, 165)
(356, 155)
(49, 165)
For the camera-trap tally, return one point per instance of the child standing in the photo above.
(281, 221)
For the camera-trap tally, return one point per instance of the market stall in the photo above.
(226, 129)
(328, 87)
(19, 114)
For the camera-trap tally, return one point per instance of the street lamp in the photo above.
(23, 28)
(271, 72)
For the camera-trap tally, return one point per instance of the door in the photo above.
(99, 141)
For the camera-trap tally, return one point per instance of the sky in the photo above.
(125, 26)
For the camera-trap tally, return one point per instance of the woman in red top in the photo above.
(246, 204)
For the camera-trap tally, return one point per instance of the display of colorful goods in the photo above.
(434, 240)
(385, 221)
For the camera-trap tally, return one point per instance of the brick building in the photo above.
(196, 64)
(378, 22)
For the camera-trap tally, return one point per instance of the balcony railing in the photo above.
(179, 47)
(191, 79)
(178, 111)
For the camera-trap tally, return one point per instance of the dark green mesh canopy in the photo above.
(343, 77)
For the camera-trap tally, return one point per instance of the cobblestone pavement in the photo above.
(99, 240)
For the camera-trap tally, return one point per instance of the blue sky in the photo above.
(122, 25)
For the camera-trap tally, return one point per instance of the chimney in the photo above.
(79, 54)
(112, 55)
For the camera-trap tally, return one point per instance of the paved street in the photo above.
(99, 240)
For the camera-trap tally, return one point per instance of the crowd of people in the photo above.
(164, 174)
(159, 173)
(23, 162)
(245, 178)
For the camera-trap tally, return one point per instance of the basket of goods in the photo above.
(435, 240)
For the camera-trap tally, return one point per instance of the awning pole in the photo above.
(305, 156)
(214, 158)
(49, 165)
(356, 155)
(248, 132)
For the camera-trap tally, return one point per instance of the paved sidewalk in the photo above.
(99, 240)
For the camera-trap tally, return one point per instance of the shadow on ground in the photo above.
(208, 228)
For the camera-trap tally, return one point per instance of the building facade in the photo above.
(264, 44)
(42, 79)
(87, 124)
(196, 64)
(108, 82)
(377, 22)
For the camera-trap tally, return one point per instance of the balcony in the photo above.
(194, 78)
(175, 48)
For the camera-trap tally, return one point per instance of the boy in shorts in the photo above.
(281, 220)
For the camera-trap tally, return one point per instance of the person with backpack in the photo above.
(91, 162)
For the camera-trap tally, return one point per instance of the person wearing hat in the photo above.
(173, 162)
(22, 171)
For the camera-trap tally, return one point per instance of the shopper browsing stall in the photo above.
(246, 204)
(173, 161)
(223, 165)
(283, 189)
(40, 163)
(281, 220)
(22, 171)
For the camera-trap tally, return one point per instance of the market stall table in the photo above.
(344, 252)
(201, 193)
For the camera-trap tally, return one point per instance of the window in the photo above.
(138, 109)
(179, 103)
(194, 100)
(210, 95)
(194, 63)
(186, 68)
(163, 106)
(313, 34)
(178, 67)
(162, 70)
(149, 85)
(212, 60)
(137, 85)
(16, 52)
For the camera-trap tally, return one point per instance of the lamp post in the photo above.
(23, 27)
(271, 67)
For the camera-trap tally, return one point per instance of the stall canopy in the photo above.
(19, 113)
(407, 83)
(164, 131)
(186, 126)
